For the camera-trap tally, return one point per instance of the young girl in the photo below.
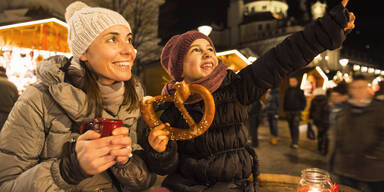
(220, 159)
(41, 148)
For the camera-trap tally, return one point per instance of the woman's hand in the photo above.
(122, 145)
(351, 23)
(158, 138)
(96, 154)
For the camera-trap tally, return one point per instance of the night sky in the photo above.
(367, 37)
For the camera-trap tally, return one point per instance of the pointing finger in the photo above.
(344, 2)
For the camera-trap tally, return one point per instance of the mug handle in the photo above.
(88, 125)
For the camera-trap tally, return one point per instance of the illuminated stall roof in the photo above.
(320, 78)
(233, 59)
(46, 34)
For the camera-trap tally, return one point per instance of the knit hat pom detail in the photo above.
(72, 8)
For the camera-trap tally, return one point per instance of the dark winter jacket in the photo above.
(359, 148)
(219, 160)
(273, 102)
(294, 99)
(319, 111)
(255, 108)
(42, 127)
(9, 94)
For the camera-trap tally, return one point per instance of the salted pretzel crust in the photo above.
(183, 91)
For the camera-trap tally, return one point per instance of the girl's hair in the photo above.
(94, 95)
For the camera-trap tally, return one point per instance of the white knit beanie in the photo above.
(86, 23)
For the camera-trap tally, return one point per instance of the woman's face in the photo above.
(111, 55)
(199, 61)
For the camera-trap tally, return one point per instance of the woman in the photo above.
(41, 148)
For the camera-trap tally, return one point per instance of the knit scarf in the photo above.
(212, 82)
(113, 95)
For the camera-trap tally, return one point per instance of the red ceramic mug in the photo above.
(104, 126)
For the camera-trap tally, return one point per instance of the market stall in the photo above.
(315, 78)
(24, 45)
(233, 59)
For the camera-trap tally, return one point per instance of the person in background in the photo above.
(379, 94)
(221, 159)
(272, 109)
(319, 116)
(338, 96)
(254, 118)
(9, 95)
(358, 155)
(294, 104)
(41, 147)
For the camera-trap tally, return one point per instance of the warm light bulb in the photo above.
(252, 59)
(343, 62)
(356, 67)
(205, 29)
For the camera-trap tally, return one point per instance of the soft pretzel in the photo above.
(183, 91)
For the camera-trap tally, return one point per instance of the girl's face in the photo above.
(199, 61)
(111, 55)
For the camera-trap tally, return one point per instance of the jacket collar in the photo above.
(70, 98)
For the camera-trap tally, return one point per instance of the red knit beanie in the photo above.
(173, 53)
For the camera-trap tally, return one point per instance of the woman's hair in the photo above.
(94, 95)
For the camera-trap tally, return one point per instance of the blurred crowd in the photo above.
(346, 120)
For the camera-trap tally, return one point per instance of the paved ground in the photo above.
(280, 158)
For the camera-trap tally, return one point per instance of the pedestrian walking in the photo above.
(254, 118)
(272, 109)
(294, 103)
(358, 154)
(319, 116)
(9, 95)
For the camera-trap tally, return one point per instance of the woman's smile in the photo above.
(122, 65)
